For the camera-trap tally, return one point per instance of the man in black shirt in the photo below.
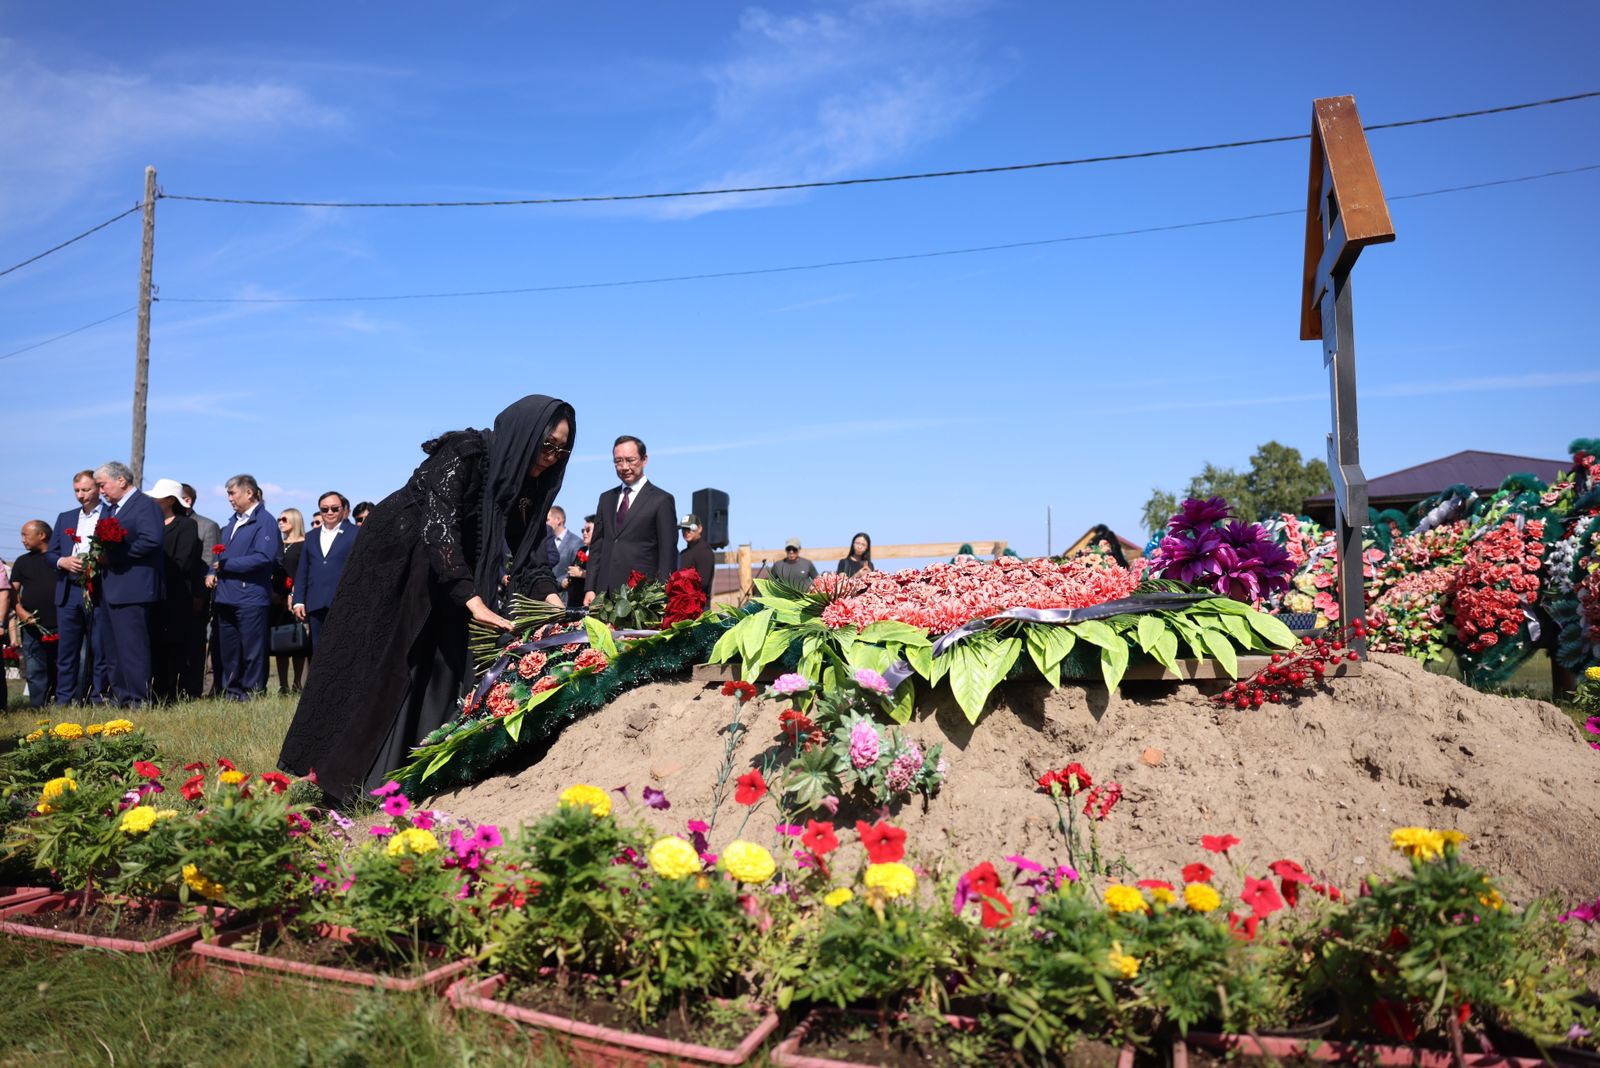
(34, 581)
(696, 553)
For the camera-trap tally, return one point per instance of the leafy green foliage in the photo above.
(687, 940)
(238, 852)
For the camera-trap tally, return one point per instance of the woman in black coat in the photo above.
(454, 543)
(292, 528)
(172, 621)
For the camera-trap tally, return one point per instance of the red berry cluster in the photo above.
(1292, 673)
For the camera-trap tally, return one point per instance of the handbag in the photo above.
(289, 638)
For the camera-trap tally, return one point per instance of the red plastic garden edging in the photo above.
(601, 1047)
(787, 1053)
(217, 954)
(1352, 1052)
(16, 895)
(60, 902)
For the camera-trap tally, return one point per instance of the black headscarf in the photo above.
(513, 445)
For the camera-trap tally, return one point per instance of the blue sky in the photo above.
(933, 399)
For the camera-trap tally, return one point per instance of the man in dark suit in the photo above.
(83, 659)
(564, 544)
(636, 525)
(133, 580)
(321, 564)
(193, 682)
(242, 579)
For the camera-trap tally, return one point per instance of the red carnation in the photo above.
(218, 549)
(795, 724)
(1218, 843)
(1102, 799)
(745, 690)
(110, 531)
(591, 658)
(752, 787)
(884, 844)
(1074, 771)
(1197, 873)
(146, 769)
(1261, 896)
(1047, 780)
(819, 838)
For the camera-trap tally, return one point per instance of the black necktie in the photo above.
(622, 509)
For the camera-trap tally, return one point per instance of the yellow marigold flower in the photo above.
(838, 897)
(138, 819)
(118, 726)
(673, 858)
(67, 730)
(201, 885)
(94, 728)
(891, 880)
(1162, 895)
(1592, 674)
(232, 778)
(748, 862)
(34, 736)
(1492, 899)
(1201, 898)
(166, 814)
(1121, 898)
(41, 723)
(1454, 838)
(52, 790)
(412, 840)
(1126, 967)
(593, 798)
(1418, 843)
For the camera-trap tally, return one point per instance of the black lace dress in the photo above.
(393, 663)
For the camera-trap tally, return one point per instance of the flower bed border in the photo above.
(589, 1043)
(184, 936)
(1338, 1052)
(16, 895)
(786, 1054)
(217, 954)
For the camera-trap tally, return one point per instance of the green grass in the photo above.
(249, 734)
(81, 1007)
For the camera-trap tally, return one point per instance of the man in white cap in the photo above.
(794, 570)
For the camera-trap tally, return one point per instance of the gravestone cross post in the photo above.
(1345, 212)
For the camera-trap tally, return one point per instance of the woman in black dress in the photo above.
(860, 556)
(462, 535)
(292, 528)
(172, 622)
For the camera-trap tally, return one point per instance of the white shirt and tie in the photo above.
(626, 498)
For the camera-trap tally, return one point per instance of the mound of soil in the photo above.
(1322, 781)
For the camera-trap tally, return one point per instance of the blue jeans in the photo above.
(39, 666)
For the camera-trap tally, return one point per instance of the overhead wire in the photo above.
(872, 180)
(62, 337)
(71, 240)
(860, 261)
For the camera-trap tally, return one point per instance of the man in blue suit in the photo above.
(132, 581)
(321, 564)
(83, 660)
(242, 579)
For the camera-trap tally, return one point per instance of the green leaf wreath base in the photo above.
(467, 751)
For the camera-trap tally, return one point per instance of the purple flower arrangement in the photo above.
(1238, 560)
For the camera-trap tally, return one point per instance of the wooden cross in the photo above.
(1345, 212)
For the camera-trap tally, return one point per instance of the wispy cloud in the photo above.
(829, 93)
(1483, 384)
(231, 406)
(808, 433)
(63, 125)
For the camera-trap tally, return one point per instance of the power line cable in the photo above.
(791, 268)
(72, 240)
(876, 180)
(60, 337)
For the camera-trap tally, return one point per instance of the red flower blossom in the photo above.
(1155, 884)
(1394, 1019)
(276, 779)
(193, 790)
(884, 844)
(110, 531)
(1218, 843)
(636, 577)
(583, 556)
(819, 838)
(984, 880)
(1102, 799)
(198, 765)
(546, 682)
(1197, 873)
(531, 664)
(1074, 771)
(73, 534)
(745, 690)
(218, 549)
(1243, 929)
(685, 599)
(1291, 876)
(795, 724)
(592, 658)
(146, 769)
(752, 787)
(224, 762)
(1261, 896)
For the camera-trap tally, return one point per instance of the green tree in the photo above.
(1278, 480)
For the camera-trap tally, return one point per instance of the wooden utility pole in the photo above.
(141, 366)
(1345, 212)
